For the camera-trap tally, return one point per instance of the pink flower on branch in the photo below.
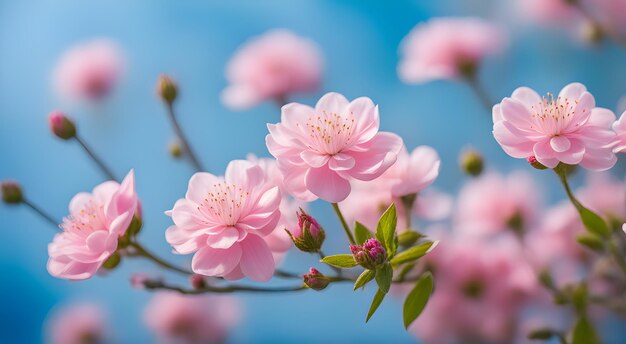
(223, 220)
(89, 70)
(320, 150)
(91, 232)
(447, 48)
(568, 128)
(272, 66)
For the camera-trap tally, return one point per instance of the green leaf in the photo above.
(594, 223)
(409, 237)
(340, 261)
(386, 230)
(413, 253)
(364, 278)
(591, 241)
(362, 233)
(584, 333)
(384, 275)
(378, 298)
(417, 299)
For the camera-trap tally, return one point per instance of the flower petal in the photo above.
(211, 261)
(225, 239)
(332, 102)
(327, 184)
(257, 261)
(560, 143)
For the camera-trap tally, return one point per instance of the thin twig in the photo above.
(344, 224)
(44, 215)
(142, 252)
(183, 139)
(95, 158)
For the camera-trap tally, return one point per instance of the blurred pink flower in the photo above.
(568, 128)
(91, 231)
(547, 11)
(433, 205)
(320, 150)
(272, 66)
(409, 175)
(619, 126)
(493, 203)
(89, 71)
(179, 319)
(76, 324)
(605, 195)
(224, 219)
(493, 279)
(445, 48)
(610, 13)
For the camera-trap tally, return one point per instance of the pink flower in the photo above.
(445, 48)
(177, 318)
(279, 241)
(370, 255)
(605, 195)
(492, 279)
(548, 11)
(272, 66)
(90, 233)
(493, 203)
(568, 128)
(619, 145)
(319, 150)
(224, 219)
(77, 324)
(409, 175)
(89, 70)
(610, 13)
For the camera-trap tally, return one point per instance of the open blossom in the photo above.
(89, 70)
(320, 150)
(493, 203)
(181, 319)
(492, 279)
(91, 232)
(77, 324)
(568, 128)
(411, 174)
(272, 66)
(223, 221)
(445, 48)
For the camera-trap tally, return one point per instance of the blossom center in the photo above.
(86, 221)
(225, 203)
(553, 116)
(330, 132)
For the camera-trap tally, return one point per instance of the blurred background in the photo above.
(193, 41)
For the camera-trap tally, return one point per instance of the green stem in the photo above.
(286, 274)
(344, 224)
(480, 92)
(563, 178)
(619, 259)
(142, 252)
(159, 285)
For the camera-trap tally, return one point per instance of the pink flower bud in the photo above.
(532, 160)
(61, 126)
(166, 89)
(370, 255)
(11, 192)
(316, 280)
(309, 236)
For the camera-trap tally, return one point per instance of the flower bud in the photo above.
(11, 192)
(316, 280)
(197, 281)
(591, 33)
(471, 163)
(61, 126)
(166, 89)
(309, 236)
(175, 149)
(370, 255)
(535, 163)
